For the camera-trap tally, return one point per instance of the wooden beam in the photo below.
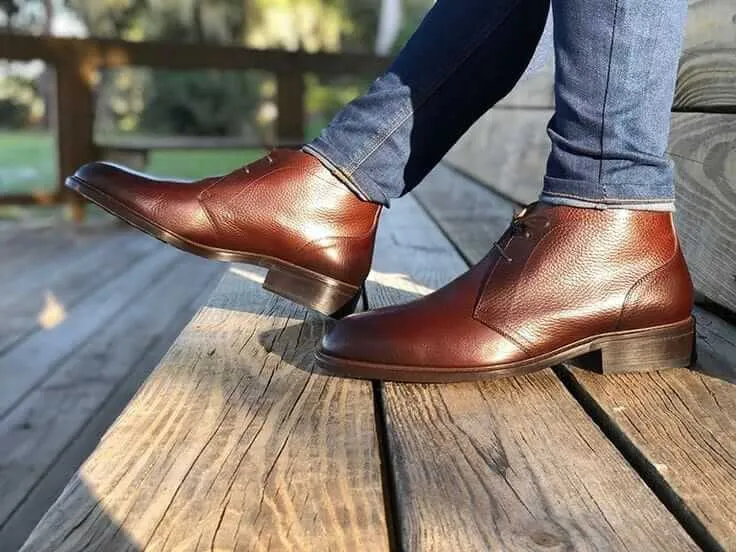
(291, 109)
(37, 198)
(707, 73)
(74, 126)
(707, 81)
(172, 55)
(703, 148)
(143, 142)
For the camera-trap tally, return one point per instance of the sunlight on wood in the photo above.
(53, 312)
(254, 274)
(400, 282)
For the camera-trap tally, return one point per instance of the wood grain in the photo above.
(707, 73)
(508, 465)
(683, 423)
(32, 360)
(703, 147)
(39, 299)
(232, 444)
(38, 431)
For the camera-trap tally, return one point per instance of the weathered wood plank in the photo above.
(707, 74)
(22, 243)
(19, 526)
(40, 299)
(683, 423)
(28, 363)
(36, 434)
(232, 443)
(470, 216)
(703, 147)
(508, 465)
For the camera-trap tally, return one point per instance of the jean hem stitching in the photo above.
(609, 199)
(344, 177)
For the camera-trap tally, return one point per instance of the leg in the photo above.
(465, 56)
(564, 281)
(616, 64)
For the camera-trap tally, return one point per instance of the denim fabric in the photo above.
(616, 62)
(463, 58)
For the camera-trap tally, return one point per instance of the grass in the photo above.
(199, 163)
(28, 162)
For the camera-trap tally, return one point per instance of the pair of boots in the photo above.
(560, 283)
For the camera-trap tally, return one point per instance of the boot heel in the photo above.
(329, 297)
(660, 348)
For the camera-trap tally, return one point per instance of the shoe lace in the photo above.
(518, 227)
(268, 157)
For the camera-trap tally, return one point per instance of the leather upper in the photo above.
(286, 205)
(558, 275)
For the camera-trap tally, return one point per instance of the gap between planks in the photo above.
(69, 421)
(706, 518)
(233, 442)
(472, 468)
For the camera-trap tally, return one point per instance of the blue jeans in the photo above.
(616, 64)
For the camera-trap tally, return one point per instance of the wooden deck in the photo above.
(86, 312)
(235, 443)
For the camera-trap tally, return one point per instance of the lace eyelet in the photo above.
(509, 260)
(527, 235)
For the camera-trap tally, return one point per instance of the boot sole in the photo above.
(657, 348)
(303, 286)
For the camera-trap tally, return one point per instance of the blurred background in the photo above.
(137, 103)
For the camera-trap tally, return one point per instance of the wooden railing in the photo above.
(77, 60)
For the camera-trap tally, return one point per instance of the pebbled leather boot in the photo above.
(285, 212)
(561, 283)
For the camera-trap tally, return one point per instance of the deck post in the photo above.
(74, 125)
(290, 96)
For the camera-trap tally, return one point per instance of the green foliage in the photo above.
(20, 102)
(207, 103)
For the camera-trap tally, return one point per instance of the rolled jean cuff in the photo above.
(654, 205)
(594, 195)
(360, 184)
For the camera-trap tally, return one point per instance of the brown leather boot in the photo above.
(561, 282)
(285, 212)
